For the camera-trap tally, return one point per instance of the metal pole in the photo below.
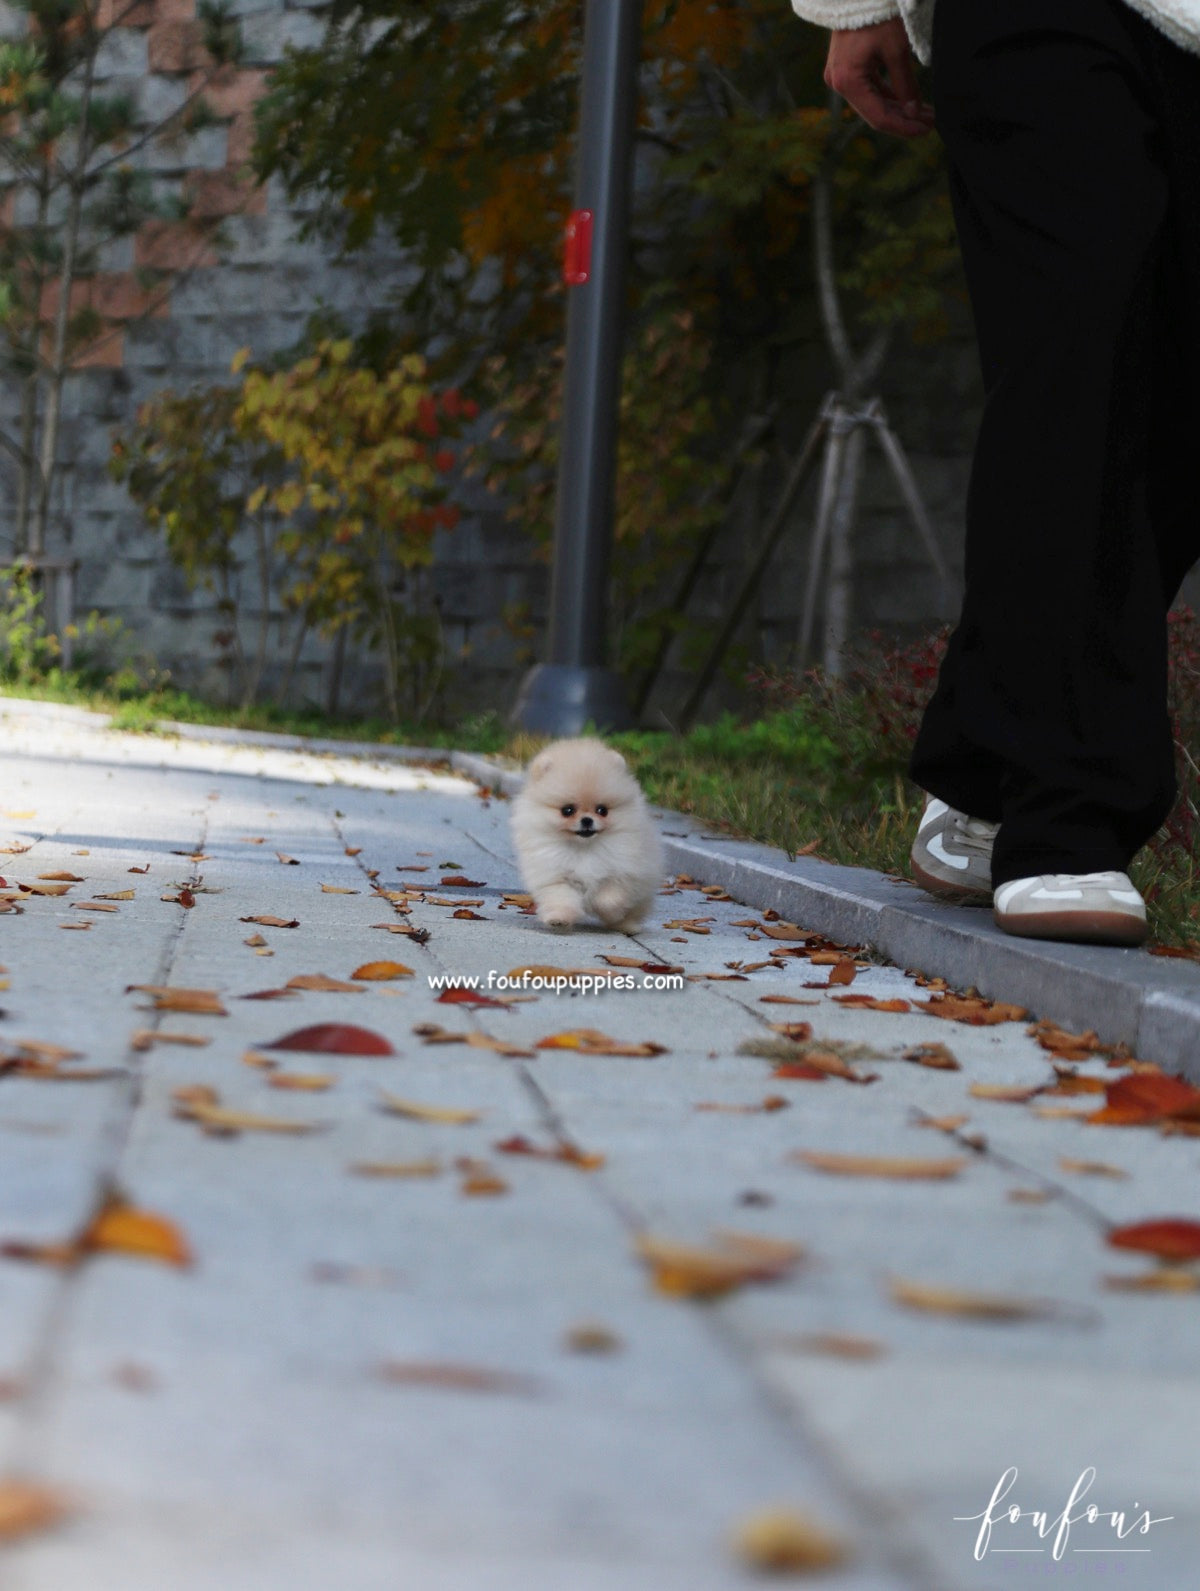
(573, 687)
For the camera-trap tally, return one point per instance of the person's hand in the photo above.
(872, 69)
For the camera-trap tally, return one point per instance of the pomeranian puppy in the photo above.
(584, 838)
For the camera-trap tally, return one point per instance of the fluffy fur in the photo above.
(585, 841)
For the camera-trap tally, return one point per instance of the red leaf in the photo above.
(333, 1038)
(1169, 1239)
(466, 997)
(799, 1069)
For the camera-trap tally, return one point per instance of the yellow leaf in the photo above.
(381, 971)
(439, 1113)
(122, 1228)
(972, 1305)
(787, 1540)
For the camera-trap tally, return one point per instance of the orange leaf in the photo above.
(869, 1002)
(268, 921)
(1143, 1097)
(26, 1507)
(123, 1229)
(463, 996)
(936, 1056)
(380, 971)
(321, 983)
(843, 971)
(1170, 1239)
(973, 1010)
(785, 1540)
(590, 1041)
(565, 1151)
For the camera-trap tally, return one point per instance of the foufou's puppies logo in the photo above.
(1120, 1530)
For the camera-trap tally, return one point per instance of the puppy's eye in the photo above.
(601, 812)
(568, 811)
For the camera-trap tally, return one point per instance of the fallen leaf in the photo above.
(479, 1180)
(44, 889)
(969, 1304)
(255, 941)
(201, 1105)
(843, 971)
(319, 982)
(198, 1002)
(121, 1228)
(1072, 1046)
(732, 1259)
(27, 1507)
(302, 1082)
(1170, 1239)
(564, 1150)
(456, 1377)
(943, 1123)
(973, 1010)
(869, 1002)
(770, 1103)
(333, 1038)
(147, 1038)
(337, 889)
(589, 1041)
(781, 930)
(397, 1168)
(62, 877)
(936, 1056)
(800, 1070)
(272, 922)
(288, 861)
(1028, 1195)
(788, 1541)
(381, 971)
(439, 1113)
(145, 868)
(785, 999)
(1141, 1098)
(184, 898)
(119, 894)
(1008, 1093)
(904, 1167)
(1090, 1168)
(464, 996)
(93, 906)
(631, 961)
(837, 1344)
(589, 1336)
(1164, 1279)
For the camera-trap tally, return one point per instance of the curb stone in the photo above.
(1127, 996)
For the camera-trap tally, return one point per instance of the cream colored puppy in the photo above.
(585, 841)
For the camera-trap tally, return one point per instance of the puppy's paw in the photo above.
(611, 904)
(559, 909)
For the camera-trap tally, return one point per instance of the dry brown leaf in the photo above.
(255, 941)
(785, 999)
(267, 921)
(302, 1082)
(438, 1113)
(479, 1179)
(564, 1150)
(943, 1123)
(972, 1009)
(1028, 1196)
(686, 1270)
(837, 1344)
(44, 889)
(288, 861)
(198, 1002)
(93, 906)
(485, 1041)
(147, 1038)
(589, 1336)
(589, 1041)
(337, 889)
(381, 971)
(321, 983)
(27, 1507)
(1090, 1168)
(770, 1103)
(936, 1056)
(787, 1541)
(1008, 1093)
(900, 1166)
(456, 1377)
(118, 894)
(969, 1304)
(200, 1104)
(843, 970)
(1165, 1279)
(397, 1168)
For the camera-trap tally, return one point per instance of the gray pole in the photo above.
(560, 696)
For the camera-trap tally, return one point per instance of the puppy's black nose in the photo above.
(586, 823)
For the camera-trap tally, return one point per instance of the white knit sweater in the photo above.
(1178, 19)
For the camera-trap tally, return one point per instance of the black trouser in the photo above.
(1073, 134)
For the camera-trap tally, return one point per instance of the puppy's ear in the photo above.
(541, 765)
(613, 752)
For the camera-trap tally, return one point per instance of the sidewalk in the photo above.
(305, 1407)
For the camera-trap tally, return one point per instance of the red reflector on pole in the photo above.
(577, 254)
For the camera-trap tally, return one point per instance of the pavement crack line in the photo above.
(35, 1379)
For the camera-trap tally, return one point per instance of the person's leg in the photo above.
(1050, 713)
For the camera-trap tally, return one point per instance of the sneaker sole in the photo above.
(959, 894)
(1090, 928)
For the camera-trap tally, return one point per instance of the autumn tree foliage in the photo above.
(449, 126)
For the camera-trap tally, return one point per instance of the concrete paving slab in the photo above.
(228, 1425)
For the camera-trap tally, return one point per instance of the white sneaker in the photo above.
(1097, 908)
(952, 854)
